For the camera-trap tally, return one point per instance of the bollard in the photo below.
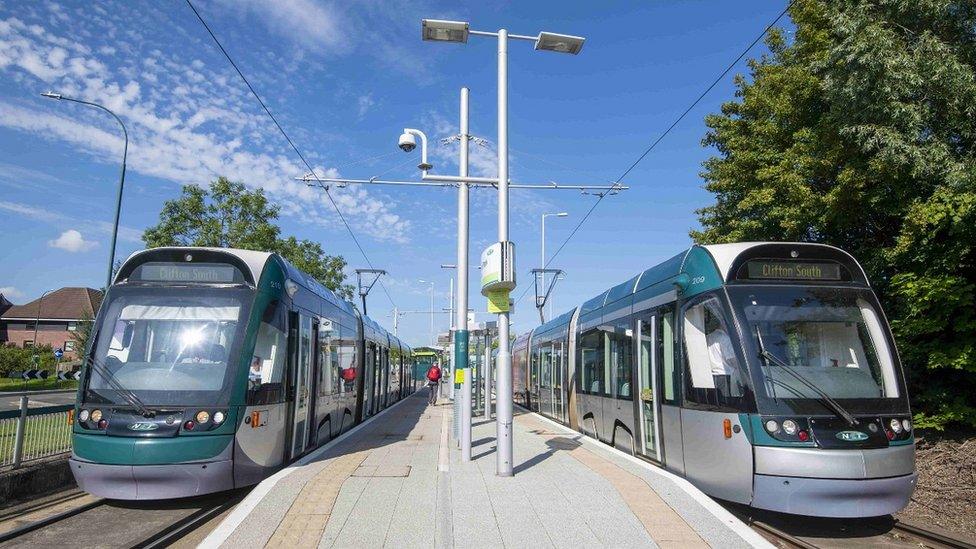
(21, 427)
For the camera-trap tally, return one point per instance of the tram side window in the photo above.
(267, 369)
(714, 375)
(665, 357)
(327, 359)
(591, 362)
(619, 356)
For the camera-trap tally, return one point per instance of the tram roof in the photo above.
(715, 260)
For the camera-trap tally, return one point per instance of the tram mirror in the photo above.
(682, 282)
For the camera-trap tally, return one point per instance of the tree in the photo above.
(861, 133)
(230, 216)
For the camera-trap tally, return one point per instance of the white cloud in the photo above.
(180, 116)
(365, 103)
(72, 241)
(10, 292)
(127, 234)
(304, 22)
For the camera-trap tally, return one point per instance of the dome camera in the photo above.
(407, 142)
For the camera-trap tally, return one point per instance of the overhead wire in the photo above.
(666, 132)
(291, 143)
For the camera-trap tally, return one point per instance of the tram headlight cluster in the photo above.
(897, 428)
(788, 430)
(204, 420)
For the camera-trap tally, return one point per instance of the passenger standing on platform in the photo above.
(434, 380)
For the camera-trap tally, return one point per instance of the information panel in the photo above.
(771, 269)
(211, 273)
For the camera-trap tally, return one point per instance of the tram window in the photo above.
(591, 360)
(665, 357)
(327, 359)
(267, 368)
(619, 355)
(714, 374)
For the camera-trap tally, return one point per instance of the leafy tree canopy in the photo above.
(230, 216)
(861, 132)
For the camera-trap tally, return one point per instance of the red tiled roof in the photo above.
(66, 303)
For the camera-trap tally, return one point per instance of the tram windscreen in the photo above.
(167, 346)
(833, 337)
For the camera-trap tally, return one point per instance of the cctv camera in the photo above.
(407, 142)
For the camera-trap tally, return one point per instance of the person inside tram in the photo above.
(721, 357)
(254, 374)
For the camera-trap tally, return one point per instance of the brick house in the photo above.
(60, 313)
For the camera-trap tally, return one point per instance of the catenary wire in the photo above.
(290, 142)
(665, 133)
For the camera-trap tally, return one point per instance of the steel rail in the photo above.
(47, 521)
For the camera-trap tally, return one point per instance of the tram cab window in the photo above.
(267, 364)
(714, 375)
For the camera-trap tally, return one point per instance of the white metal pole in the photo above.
(487, 375)
(433, 340)
(543, 264)
(503, 371)
(461, 335)
(396, 321)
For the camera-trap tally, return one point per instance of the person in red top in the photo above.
(433, 382)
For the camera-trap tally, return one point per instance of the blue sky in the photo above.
(344, 78)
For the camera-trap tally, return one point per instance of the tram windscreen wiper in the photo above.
(128, 395)
(827, 400)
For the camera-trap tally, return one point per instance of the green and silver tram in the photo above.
(765, 373)
(211, 368)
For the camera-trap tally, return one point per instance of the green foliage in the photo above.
(861, 133)
(15, 359)
(230, 216)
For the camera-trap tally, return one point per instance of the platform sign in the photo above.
(498, 267)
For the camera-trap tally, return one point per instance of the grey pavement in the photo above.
(399, 482)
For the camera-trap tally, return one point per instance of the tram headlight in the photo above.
(218, 418)
(789, 426)
(772, 426)
(907, 425)
(203, 416)
(83, 415)
(96, 415)
(896, 426)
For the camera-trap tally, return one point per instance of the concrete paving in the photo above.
(398, 481)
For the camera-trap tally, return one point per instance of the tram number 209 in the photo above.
(698, 280)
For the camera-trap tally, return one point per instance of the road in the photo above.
(8, 402)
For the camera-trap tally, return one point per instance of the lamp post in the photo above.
(118, 195)
(543, 264)
(459, 31)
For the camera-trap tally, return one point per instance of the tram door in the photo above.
(300, 381)
(647, 387)
(558, 391)
(368, 381)
(545, 379)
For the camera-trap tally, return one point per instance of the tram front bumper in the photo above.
(142, 482)
(840, 498)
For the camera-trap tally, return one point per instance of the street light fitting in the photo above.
(444, 31)
(562, 214)
(560, 43)
(448, 266)
(52, 95)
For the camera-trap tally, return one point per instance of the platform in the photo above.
(398, 481)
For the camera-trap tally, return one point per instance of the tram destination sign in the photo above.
(766, 269)
(180, 272)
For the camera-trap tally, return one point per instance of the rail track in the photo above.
(118, 524)
(790, 531)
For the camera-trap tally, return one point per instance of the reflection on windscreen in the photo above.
(166, 347)
(832, 337)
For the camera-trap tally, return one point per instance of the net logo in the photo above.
(851, 436)
(143, 426)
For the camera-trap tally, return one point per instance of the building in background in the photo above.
(60, 315)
